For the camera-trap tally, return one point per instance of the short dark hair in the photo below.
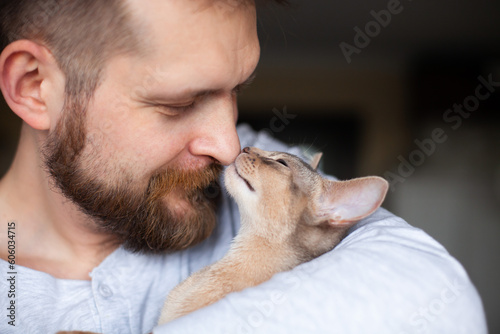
(81, 35)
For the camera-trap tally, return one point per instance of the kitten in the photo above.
(290, 214)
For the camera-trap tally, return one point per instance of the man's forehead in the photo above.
(189, 49)
(183, 23)
(172, 8)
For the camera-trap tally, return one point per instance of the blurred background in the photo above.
(407, 90)
(388, 103)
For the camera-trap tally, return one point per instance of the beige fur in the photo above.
(289, 215)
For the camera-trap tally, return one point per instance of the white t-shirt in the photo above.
(384, 277)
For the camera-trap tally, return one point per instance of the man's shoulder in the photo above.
(385, 276)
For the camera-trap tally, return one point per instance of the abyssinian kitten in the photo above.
(290, 214)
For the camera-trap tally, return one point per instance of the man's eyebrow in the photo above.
(246, 83)
(200, 93)
(236, 89)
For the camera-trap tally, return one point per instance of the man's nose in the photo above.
(217, 136)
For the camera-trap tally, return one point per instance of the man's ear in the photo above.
(345, 202)
(28, 81)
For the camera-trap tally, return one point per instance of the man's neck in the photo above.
(51, 234)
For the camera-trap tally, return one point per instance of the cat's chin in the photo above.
(235, 183)
(230, 179)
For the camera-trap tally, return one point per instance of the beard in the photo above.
(176, 210)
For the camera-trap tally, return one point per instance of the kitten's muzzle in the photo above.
(244, 165)
(246, 181)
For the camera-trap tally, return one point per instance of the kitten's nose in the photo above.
(246, 150)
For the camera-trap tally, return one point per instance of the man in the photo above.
(129, 112)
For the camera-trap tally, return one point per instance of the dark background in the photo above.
(366, 115)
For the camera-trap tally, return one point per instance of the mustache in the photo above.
(188, 181)
(166, 230)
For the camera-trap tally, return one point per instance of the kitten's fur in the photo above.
(290, 214)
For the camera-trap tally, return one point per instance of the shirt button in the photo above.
(105, 291)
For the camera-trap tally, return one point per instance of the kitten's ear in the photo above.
(315, 160)
(346, 202)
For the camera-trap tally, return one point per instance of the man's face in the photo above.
(160, 125)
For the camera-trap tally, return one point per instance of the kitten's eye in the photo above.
(283, 162)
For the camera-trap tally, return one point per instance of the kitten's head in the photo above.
(284, 199)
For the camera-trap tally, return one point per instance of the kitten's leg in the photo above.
(199, 290)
